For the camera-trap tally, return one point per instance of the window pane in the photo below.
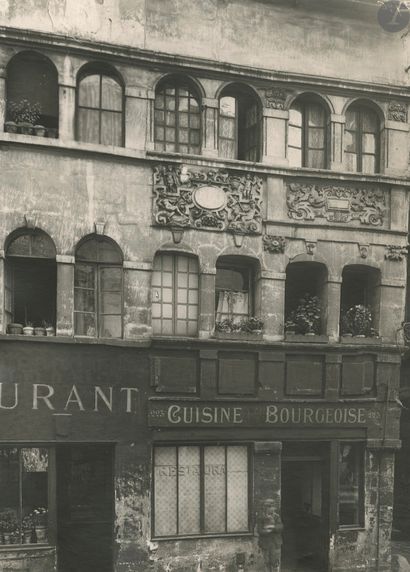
(350, 141)
(316, 138)
(110, 326)
(88, 126)
(189, 490)
(35, 492)
(89, 91)
(316, 159)
(369, 121)
(214, 489)
(111, 94)
(295, 137)
(111, 303)
(84, 276)
(227, 107)
(227, 148)
(111, 279)
(165, 491)
(368, 143)
(84, 300)
(351, 162)
(111, 128)
(316, 115)
(295, 157)
(227, 127)
(84, 324)
(368, 164)
(351, 120)
(9, 491)
(295, 115)
(237, 488)
(350, 482)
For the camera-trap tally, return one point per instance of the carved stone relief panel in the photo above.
(209, 200)
(337, 203)
(397, 111)
(395, 253)
(274, 244)
(275, 98)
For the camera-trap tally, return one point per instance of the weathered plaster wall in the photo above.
(266, 34)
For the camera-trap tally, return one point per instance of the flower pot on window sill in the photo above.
(6, 538)
(245, 336)
(52, 132)
(27, 536)
(15, 329)
(360, 340)
(28, 330)
(25, 128)
(39, 130)
(50, 331)
(39, 331)
(41, 534)
(307, 338)
(10, 127)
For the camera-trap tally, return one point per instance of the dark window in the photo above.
(362, 140)
(233, 289)
(98, 289)
(100, 110)
(24, 495)
(360, 287)
(351, 484)
(177, 120)
(32, 90)
(307, 135)
(239, 125)
(31, 280)
(201, 490)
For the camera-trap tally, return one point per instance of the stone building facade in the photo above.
(207, 204)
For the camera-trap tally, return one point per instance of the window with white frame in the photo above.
(201, 489)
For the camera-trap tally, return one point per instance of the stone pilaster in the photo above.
(65, 295)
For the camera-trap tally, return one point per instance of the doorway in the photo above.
(85, 508)
(305, 507)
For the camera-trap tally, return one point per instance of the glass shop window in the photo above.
(351, 485)
(175, 295)
(233, 289)
(100, 109)
(24, 495)
(201, 490)
(98, 289)
(30, 280)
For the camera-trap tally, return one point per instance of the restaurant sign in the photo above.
(193, 414)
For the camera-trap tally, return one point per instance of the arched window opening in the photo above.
(32, 95)
(175, 295)
(177, 117)
(234, 292)
(360, 300)
(305, 298)
(98, 289)
(31, 280)
(307, 135)
(100, 103)
(239, 125)
(362, 145)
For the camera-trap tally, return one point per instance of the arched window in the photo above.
(307, 134)
(305, 297)
(234, 289)
(30, 279)
(100, 107)
(177, 117)
(32, 93)
(360, 300)
(98, 288)
(362, 146)
(175, 295)
(239, 125)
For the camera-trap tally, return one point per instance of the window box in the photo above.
(306, 338)
(248, 336)
(361, 340)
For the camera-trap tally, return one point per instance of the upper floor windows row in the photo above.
(179, 118)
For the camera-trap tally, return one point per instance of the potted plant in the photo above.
(290, 327)
(15, 329)
(39, 331)
(246, 327)
(50, 331)
(28, 329)
(26, 114)
(8, 526)
(10, 127)
(357, 321)
(40, 524)
(306, 316)
(28, 527)
(40, 130)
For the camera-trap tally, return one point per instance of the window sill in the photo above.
(361, 340)
(306, 338)
(221, 536)
(244, 336)
(25, 547)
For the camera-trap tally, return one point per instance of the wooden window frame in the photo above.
(251, 282)
(202, 446)
(178, 85)
(305, 128)
(358, 133)
(361, 485)
(100, 109)
(97, 270)
(241, 130)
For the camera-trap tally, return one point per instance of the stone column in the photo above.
(206, 302)
(267, 475)
(3, 324)
(332, 312)
(137, 305)
(272, 291)
(3, 102)
(336, 143)
(136, 112)
(65, 295)
(274, 151)
(149, 125)
(66, 124)
(210, 126)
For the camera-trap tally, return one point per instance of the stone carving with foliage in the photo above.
(209, 200)
(274, 244)
(336, 204)
(395, 253)
(275, 98)
(397, 111)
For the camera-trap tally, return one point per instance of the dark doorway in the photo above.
(85, 497)
(305, 507)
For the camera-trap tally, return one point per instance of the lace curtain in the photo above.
(232, 305)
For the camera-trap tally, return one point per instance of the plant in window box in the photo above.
(251, 325)
(306, 316)
(358, 321)
(290, 327)
(8, 525)
(40, 524)
(248, 326)
(50, 331)
(39, 331)
(15, 329)
(25, 114)
(28, 529)
(28, 329)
